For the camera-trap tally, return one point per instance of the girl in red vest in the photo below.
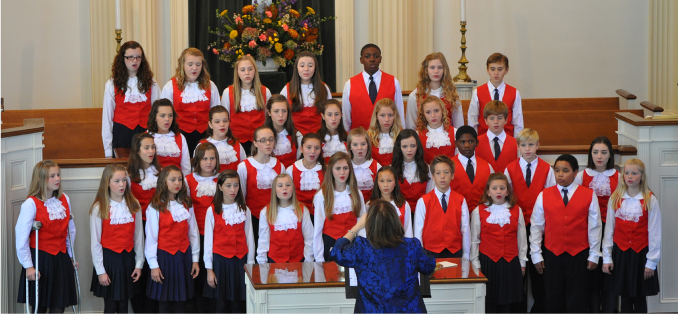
(128, 96)
(384, 128)
(332, 129)
(172, 243)
(434, 128)
(48, 204)
(565, 239)
(305, 93)
(387, 188)
(143, 168)
(411, 172)
(308, 172)
(499, 244)
(601, 177)
(342, 203)
(257, 173)
(435, 79)
(230, 151)
(363, 90)
(229, 245)
(201, 188)
(170, 145)
(364, 167)
(441, 217)
(193, 94)
(286, 231)
(287, 139)
(117, 240)
(245, 100)
(632, 240)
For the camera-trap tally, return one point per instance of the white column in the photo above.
(344, 42)
(179, 32)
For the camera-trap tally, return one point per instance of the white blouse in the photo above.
(248, 101)
(285, 220)
(265, 173)
(413, 108)
(363, 175)
(385, 143)
(333, 145)
(310, 180)
(307, 94)
(166, 146)
(231, 215)
(95, 227)
(227, 153)
(438, 137)
(500, 214)
(192, 93)
(179, 214)
(342, 204)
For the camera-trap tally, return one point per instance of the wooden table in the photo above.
(319, 288)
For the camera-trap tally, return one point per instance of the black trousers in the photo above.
(566, 282)
(447, 254)
(122, 136)
(192, 140)
(537, 283)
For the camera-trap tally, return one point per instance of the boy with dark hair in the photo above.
(471, 171)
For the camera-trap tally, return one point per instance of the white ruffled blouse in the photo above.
(166, 145)
(282, 144)
(385, 143)
(132, 95)
(342, 202)
(232, 215)
(333, 145)
(600, 184)
(149, 179)
(119, 212)
(193, 93)
(436, 138)
(286, 219)
(265, 172)
(227, 154)
(410, 172)
(499, 214)
(631, 209)
(310, 180)
(178, 211)
(55, 209)
(248, 101)
(363, 175)
(206, 185)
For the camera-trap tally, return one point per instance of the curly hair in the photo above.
(449, 89)
(204, 76)
(421, 116)
(119, 72)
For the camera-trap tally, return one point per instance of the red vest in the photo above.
(485, 96)
(131, 115)
(528, 196)
(172, 236)
(508, 154)
(448, 106)
(191, 116)
(168, 160)
(361, 104)
(289, 158)
(373, 168)
(304, 196)
(430, 153)
(200, 204)
(412, 192)
(229, 240)
(566, 227)
(244, 123)
(383, 159)
(232, 165)
(286, 246)
(629, 234)
(53, 232)
(340, 223)
(118, 237)
(306, 120)
(257, 198)
(402, 214)
(497, 241)
(144, 197)
(602, 200)
(442, 229)
(462, 184)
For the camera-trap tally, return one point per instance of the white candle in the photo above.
(463, 10)
(117, 14)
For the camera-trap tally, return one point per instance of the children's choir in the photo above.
(279, 178)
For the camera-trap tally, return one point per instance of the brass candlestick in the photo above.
(118, 38)
(462, 76)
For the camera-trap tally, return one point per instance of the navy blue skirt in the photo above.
(328, 242)
(628, 274)
(505, 280)
(119, 267)
(57, 281)
(230, 274)
(178, 283)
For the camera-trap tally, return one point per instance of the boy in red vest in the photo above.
(528, 176)
(566, 218)
(362, 91)
(441, 219)
(496, 90)
(471, 172)
(496, 146)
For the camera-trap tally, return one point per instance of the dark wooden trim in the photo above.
(583, 149)
(625, 94)
(640, 121)
(83, 163)
(310, 285)
(14, 133)
(652, 107)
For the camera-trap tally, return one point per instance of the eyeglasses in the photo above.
(264, 141)
(133, 58)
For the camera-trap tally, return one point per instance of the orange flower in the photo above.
(289, 54)
(247, 9)
(293, 33)
(227, 45)
(294, 13)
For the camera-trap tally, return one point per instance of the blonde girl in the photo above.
(384, 128)
(364, 166)
(435, 131)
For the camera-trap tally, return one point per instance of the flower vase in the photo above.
(270, 66)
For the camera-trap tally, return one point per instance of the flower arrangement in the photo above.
(277, 32)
